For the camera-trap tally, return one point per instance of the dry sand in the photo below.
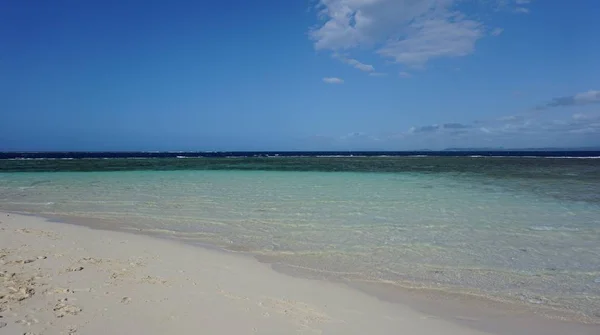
(64, 279)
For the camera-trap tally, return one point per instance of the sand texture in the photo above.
(64, 279)
(58, 278)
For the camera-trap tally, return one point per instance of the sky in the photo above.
(298, 75)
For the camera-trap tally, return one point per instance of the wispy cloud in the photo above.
(408, 32)
(361, 66)
(584, 98)
(451, 36)
(333, 80)
(528, 123)
(404, 74)
(512, 118)
(579, 124)
(354, 63)
(377, 74)
(513, 130)
(570, 127)
(516, 6)
(497, 31)
(586, 116)
(424, 129)
(359, 136)
(456, 126)
(440, 127)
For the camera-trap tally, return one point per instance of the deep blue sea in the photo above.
(521, 226)
(224, 154)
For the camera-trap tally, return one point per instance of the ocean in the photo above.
(522, 228)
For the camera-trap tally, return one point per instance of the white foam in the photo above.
(547, 228)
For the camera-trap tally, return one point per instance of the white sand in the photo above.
(65, 279)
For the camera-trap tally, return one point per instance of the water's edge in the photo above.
(484, 313)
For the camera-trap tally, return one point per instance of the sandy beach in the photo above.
(64, 279)
(59, 278)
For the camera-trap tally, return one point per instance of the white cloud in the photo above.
(584, 98)
(588, 97)
(410, 32)
(586, 116)
(516, 6)
(361, 66)
(333, 80)
(497, 31)
(355, 63)
(404, 74)
(434, 38)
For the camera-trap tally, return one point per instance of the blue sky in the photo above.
(298, 75)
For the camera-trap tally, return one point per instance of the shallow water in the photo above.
(519, 229)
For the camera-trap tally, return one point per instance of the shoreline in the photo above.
(462, 317)
(476, 304)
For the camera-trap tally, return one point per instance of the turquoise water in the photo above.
(535, 241)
